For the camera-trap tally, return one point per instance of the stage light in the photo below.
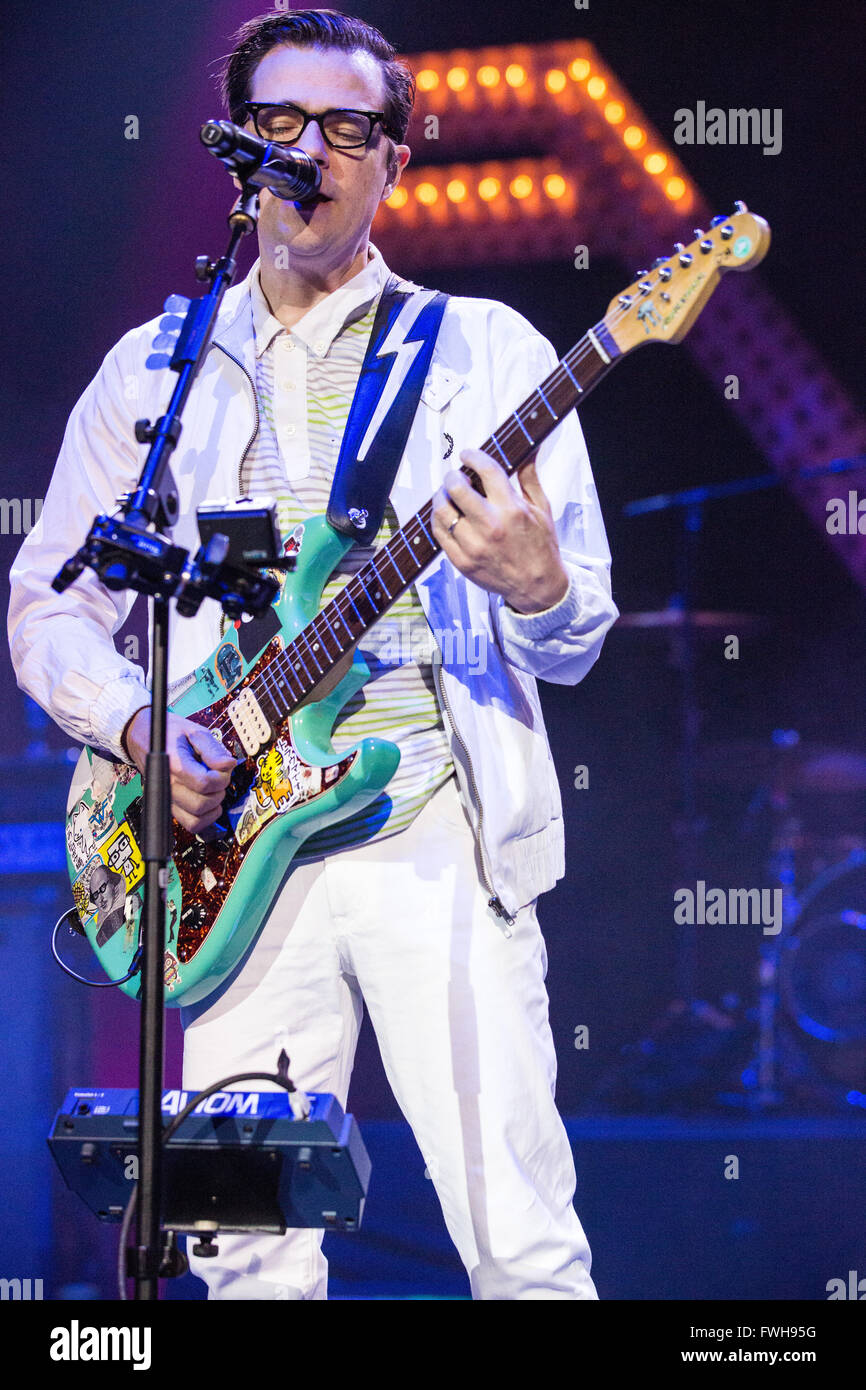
(555, 80)
(427, 193)
(674, 189)
(554, 185)
(515, 75)
(398, 199)
(655, 163)
(457, 79)
(520, 187)
(596, 87)
(488, 76)
(634, 137)
(456, 190)
(614, 112)
(579, 69)
(488, 188)
(427, 80)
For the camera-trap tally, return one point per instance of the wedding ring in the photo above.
(454, 522)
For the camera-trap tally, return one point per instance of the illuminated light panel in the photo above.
(456, 191)
(554, 185)
(427, 193)
(596, 87)
(521, 187)
(458, 79)
(398, 199)
(481, 230)
(655, 163)
(555, 80)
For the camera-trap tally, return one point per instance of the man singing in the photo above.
(423, 907)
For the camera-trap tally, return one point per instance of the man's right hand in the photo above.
(200, 767)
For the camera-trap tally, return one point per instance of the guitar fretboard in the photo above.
(336, 629)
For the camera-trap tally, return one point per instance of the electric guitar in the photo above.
(276, 712)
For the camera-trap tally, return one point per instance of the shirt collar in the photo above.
(325, 321)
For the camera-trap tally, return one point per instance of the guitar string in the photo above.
(270, 682)
(273, 682)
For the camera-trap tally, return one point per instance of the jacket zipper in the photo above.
(494, 901)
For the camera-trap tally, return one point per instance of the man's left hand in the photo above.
(505, 542)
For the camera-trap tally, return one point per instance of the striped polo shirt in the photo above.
(305, 381)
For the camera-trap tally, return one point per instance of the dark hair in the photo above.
(316, 29)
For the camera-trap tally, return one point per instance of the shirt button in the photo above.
(320, 345)
(288, 430)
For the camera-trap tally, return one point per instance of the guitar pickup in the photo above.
(249, 722)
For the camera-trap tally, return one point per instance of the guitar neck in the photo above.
(369, 594)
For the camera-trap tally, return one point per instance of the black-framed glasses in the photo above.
(284, 124)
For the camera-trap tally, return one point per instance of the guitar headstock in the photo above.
(662, 304)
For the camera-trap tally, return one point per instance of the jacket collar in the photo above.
(244, 304)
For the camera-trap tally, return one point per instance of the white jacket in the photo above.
(487, 360)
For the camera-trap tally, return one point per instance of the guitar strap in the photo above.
(384, 405)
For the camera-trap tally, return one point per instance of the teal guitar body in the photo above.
(293, 784)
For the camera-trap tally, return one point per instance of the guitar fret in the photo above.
(523, 427)
(371, 600)
(424, 529)
(400, 575)
(353, 603)
(574, 379)
(311, 650)
(495, 442)
(381, 580)
(547, 403)
(324, 614)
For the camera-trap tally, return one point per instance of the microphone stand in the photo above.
(132, 554)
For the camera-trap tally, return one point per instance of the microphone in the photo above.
(288, 172)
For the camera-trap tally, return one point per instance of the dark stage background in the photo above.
(102, 228)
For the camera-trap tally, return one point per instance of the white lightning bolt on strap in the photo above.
(405, 356)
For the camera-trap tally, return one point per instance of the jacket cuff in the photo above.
(539, 625)
(111, 711)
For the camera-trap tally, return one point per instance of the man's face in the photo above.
(330, 232)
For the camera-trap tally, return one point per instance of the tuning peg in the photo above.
(727, 232)
(740, 206)
(698, 233)
(706, 246)
(718, 219)
(678, 246)
(639, 274)
(659, 260)
(686, 258)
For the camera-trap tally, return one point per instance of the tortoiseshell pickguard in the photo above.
(208, 869)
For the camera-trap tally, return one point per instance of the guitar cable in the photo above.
(301, 1110)
(77, 930)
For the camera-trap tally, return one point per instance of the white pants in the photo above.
(460, 1012)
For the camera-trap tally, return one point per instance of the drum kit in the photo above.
(805, 1032)
(802, 1031)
